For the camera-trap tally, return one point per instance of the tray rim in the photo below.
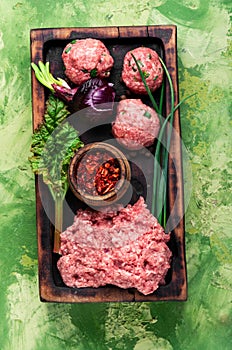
(167, 34)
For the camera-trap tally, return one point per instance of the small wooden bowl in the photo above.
(120, 187)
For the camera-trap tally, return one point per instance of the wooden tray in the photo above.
(47, 44)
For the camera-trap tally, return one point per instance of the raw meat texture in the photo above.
(136, 124)
(149, 62)
(85, 59)
(124, 247)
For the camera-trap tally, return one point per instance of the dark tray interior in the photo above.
(140, 162)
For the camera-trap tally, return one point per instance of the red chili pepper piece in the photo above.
(98, 173)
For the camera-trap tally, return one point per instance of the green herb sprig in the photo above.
(153, 101)
(53, 145)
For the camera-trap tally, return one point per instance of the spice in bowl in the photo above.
(107, 176)
(99, 173)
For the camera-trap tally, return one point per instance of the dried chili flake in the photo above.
(107, 176)
(98, 173)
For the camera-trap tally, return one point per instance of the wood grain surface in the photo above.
(43, 45)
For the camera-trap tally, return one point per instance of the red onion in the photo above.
(64, 93)
(96, 98)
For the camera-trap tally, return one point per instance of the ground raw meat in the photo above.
(149, 62)
(136, 124)
(85, 59)
(125, 247)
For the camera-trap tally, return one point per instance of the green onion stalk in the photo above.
(159, 198)
(43, 75)
(57, 86)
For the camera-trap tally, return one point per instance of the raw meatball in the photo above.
(149, 62)
(85, 59)
(136, 124)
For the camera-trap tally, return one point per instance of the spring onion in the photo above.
(159, 198)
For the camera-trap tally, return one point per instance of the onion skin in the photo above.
(64, 93)
(95, 98)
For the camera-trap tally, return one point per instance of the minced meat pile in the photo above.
(124, 247)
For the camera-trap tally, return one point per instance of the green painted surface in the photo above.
(204, 322)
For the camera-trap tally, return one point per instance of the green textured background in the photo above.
(204, 322)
